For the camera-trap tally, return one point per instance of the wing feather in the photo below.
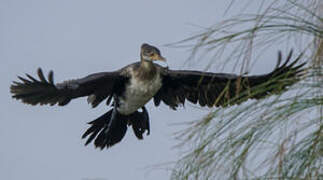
(41, 91)
(221, 89)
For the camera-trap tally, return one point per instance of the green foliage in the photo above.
(280, 137)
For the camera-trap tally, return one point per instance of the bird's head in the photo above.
(150, 53)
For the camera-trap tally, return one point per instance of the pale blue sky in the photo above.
(75, 38)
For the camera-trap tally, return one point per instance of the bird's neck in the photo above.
(146, 65)
(147, 70)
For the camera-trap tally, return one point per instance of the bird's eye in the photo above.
(149, 53)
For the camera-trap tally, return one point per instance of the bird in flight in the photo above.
(129, 89)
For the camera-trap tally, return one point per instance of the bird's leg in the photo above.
(146, 119)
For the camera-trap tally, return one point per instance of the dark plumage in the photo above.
(133, 86)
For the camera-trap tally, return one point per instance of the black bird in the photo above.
(133, 86)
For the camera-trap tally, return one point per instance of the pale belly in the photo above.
(137, 94)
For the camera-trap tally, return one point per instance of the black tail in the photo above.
(111, 127)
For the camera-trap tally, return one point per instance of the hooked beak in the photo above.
(159, 58)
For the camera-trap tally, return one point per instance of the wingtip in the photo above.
(279, 59)
(51, 77)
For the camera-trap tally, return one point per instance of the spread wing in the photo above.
(220, 89)
(41, 91)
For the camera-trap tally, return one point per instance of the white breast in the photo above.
(137, 94)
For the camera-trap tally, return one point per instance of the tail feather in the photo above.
(97, 124)
(111, 127)
(112, 132)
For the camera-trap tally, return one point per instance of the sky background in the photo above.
(78, 37)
